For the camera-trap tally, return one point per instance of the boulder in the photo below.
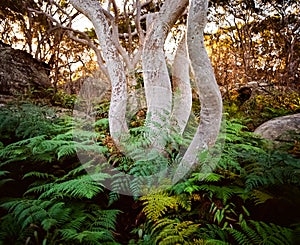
(20, 72)
(281, 129)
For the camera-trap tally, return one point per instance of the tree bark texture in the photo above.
(157, 83)
(117, 112)
(161, 109)
(182, 98)
(209, 93)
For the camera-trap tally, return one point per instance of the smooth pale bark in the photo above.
(209, 93)
(182, 99)
(156, 77)
(117, 112)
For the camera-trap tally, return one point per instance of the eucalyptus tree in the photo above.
(148, 50)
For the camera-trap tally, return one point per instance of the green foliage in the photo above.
(273, 168)
(77, 224)
(56, 198)
(56, 201)
(148, 165)
(62, 99)
(251, 232)
(219, 202)
(82, 187)
(158, 203)
(260, 197)
(170, 231)
(263, 107)
(27, 120)
(261, 233)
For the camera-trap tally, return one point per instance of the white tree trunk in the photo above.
(209, 93)
(117, 112)
(156, 77)
(182, 99)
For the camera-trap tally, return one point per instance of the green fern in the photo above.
(276, 168)
(261, 233)
(11, 231)
(39, 175)
(86, 186)
(222, 192)
(28, 211)
(28, 120)
(193, 184)
(169, 232)
(76, 223)
(4, 177)
(158, 203)
(260, 197)
(101, 224)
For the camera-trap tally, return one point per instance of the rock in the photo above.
(19, 71)
(281, 129)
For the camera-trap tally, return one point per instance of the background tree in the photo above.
(43, 29)
(256, 41)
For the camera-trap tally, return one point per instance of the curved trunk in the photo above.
(156, 77)
(209, 93)
(117, 111)
(182, 101)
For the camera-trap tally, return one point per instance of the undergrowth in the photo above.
(49, 196)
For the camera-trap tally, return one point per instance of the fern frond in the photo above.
(260, 197)
(113, 197)
(240, 237)
(157, 204)
(85, 237)
(207, 177)
(11, 231)
(258, 232)
(21, 147)
(169, 232)
(3, 178)
(213, 232)
(82, 187)
(38, 188)
(39, 175)
(75, 172)
(264, 176)
(66, 150)
(27, 211)
(222, 192)
(104, 219)
(101, 224)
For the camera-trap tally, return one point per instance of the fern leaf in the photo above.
(262, 233)
(155, 205)
(260, 197)
(82, 187)
(27, 211)
(222, 192)
(170, 232)
(75, 172)
(209, 177)
(39, 175)
(239, 237)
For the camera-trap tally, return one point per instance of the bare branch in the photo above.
(88, 42)
(138, 22)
